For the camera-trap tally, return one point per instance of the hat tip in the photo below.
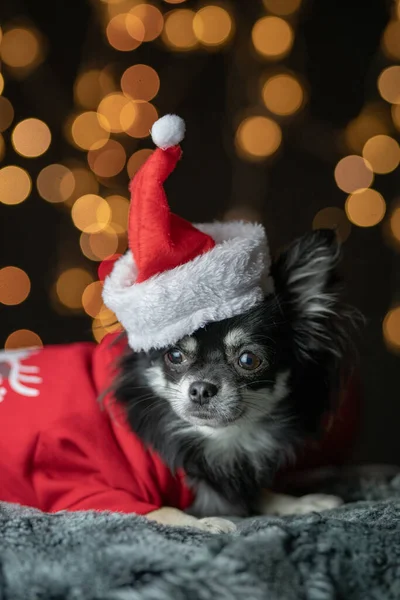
(168, 131)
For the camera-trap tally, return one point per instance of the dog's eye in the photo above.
(249, 361)
(175, 356)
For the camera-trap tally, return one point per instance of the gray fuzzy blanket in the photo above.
(350, 553)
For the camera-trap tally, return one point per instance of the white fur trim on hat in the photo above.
(221, 283)
(168, 131)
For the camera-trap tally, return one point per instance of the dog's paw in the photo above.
(315, 503)
(216, 525)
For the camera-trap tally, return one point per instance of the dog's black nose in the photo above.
(201, 392)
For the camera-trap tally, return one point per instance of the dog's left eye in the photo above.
(175, 356)
(249, 361)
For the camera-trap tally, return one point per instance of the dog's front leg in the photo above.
(282, 504)
(173, 516)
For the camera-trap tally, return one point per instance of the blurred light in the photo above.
(371, 122)
(23, 338)
(389, 84)
(1, 83)
(2, 148)
(365, 208)
(14, 286)
(105, 322)
(70, 286)
(140, 82)
(31, 138)
(391, 40)
(85, 183)
(111, 115)
(125, 32)
(242, 213)
(117, 7)
(108, 160)
(92, 300)
(103, 244)
(283, 94)
(6, 113)
(282, 7)
(20, 47)
(91, 213)
(145, 116)
(353, 173)
(90, 131)
(15, 185)
(119, 213)
(272, 37)
(383, 154)
(55, 183)
(174, 1)
(91, 86)
(391, 327)
(395, 224)
(212, 25)
(178, 31)
(151, 18)
(136, 160)
(335, 218)
(258, 137)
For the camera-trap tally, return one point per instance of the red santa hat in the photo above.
(176, 277)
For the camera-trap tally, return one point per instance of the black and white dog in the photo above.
(232, 402)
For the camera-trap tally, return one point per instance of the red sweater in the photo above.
(61, 449)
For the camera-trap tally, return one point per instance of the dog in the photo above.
(233, 402)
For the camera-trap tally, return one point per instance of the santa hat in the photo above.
(177, 277)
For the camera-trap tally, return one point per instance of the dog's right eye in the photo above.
(175, 357)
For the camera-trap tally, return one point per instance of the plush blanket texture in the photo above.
(350, 553)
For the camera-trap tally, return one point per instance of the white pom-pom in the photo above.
(168, 131)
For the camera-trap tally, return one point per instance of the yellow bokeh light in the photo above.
(1, 84)
(55, 183)
(109, 160)
(91, 86)
(6, 113)
(272, 37)
(353, 173)
(282, 7)
(145, 115)
(365, 208)
(391, 40)
(395, 223)
(125, 32)
(258, 137)
(90, 131)
(20, 48)
(14, 286)
(283, 94)
(335, 218)
(15, 185)
(383, 153)
(103, 244)
(104, 323)
(92, 300)
(212, 25)
(31, 138)
(136, 160)
(389, 84)
(363, 127)
(91, 213)
(116, 112)
(119, 213)
(23, 338)
(151, 18)
(140, 82)
(85, 182)
(70, 286)
(391, 327)
(178, 31)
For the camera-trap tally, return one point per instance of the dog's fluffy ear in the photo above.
(307, 288)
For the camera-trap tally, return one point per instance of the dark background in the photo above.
(336, 52)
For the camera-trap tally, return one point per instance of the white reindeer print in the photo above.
(19, 375)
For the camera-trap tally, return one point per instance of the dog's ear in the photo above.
(306, 285)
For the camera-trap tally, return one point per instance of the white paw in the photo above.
(315, 503)
(216, 525)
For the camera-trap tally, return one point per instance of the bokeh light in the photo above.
(85, 182)
(90, 130)
(105, 322)
(92, 300)
(1, 84)
(103, 244)
(151, 18)
(283, 94)
(6, 113)
(272, 37)
(116, 112)
(70, 286)
(14, 286)
(391, 40)
(372, 121)
(353, 173)
(91, 213)
(55, 183)
(91, 86)
(140, 82)
(383, 153)
(15, 185)
(125, 32)
(391, 328)
(23, 338)
(145, 115)
(178, 33)
(174, 1)
(31, 138)
(119, 213)
(212, 25)
(136, 160)
(109, 160)
(389, 84)
(20, 48)
(395, 223)
(258, 137)
(365, 208)
(335, 218)
(282, 7)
